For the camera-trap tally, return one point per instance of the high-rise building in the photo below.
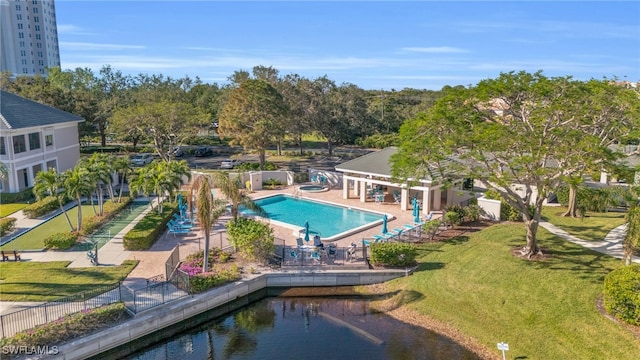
(29, 36)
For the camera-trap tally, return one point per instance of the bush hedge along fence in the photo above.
(147, 231)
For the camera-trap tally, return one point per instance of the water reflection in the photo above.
(306, 328)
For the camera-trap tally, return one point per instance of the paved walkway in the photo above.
(152, 261)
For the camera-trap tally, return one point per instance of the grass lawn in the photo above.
(594, 227)
(543, 310)
(34, 239)
(46, 281)
(10, 208)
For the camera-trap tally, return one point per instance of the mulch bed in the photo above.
(460, 230)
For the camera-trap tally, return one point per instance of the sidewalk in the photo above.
(611, 245)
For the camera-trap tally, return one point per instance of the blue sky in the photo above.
(372, 44)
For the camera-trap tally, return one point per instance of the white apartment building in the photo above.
(28, 37)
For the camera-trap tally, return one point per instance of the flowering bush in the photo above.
(221, 273)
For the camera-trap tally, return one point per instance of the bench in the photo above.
(16, 256)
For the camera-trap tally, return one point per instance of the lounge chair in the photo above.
(177, 231)
(180, 225)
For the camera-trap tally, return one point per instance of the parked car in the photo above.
(142, 159)
(204, 151)
(177, 152)
(229, 163)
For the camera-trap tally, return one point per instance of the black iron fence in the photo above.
(13, 323)
(154, 294)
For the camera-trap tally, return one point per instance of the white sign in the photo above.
(503, 346)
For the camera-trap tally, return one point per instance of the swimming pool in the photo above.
(331, 221)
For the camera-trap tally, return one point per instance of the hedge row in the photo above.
(24, 195)
(7, 225)
(42, 207)
(148, 230)
(109, 210)
(61, 240)
(65, 240)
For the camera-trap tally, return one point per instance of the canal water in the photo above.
(304, 328)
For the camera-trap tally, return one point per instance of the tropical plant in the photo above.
(208, 211)
(122, 166)
(235, 192)
(252, 238)
(77, 184)
(49, 183)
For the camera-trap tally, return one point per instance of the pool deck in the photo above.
(151, 266)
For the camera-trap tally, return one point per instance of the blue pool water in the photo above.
(330, 221)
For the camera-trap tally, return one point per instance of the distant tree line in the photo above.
(256, 109)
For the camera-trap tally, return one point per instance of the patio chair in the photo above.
(314, 179)
(294, 256)
(351, 252)
(396, 197)
(315, 257)
(300, 242)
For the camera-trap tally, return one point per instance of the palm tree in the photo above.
(234, 191)
(140, 183)
(122, 166)
(177, 170)
(208, 211)
(49, 183)
(77, 183)
(100, 168)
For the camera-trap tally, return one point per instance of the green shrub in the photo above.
(68, 327)
(7, 225)
(507, 212)
(148, 230)
(42, 207)
(596, 200)
(21, 196)
(252, 238)
(472, 212)
(393, 254)
(218, 276)
(61, 241)
(622, 293)
(431, 228)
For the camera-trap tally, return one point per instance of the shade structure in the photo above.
(384, 224)
(306, 231)
(416, 213)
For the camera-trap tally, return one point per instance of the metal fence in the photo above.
(155, 294)
(11, 324)
(312, 256)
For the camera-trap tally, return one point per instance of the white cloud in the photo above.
(84, 46)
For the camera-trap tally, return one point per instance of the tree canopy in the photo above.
(521, 134)
(253, 117)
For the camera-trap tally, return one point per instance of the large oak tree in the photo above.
(253, 117)
(521, 134)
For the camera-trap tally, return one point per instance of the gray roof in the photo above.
(375, 163)
(17, 112)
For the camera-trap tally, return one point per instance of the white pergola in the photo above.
(363, 173)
